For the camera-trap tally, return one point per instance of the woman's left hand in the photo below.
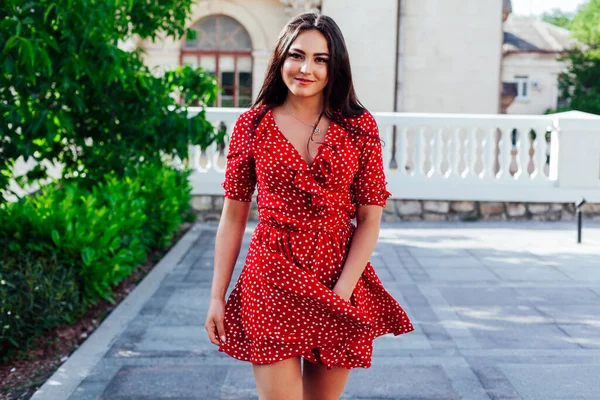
(345, 293)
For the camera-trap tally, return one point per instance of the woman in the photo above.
(307, 290)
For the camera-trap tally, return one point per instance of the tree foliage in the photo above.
(558, 17)
(580, 83)
(69, 93)
(586, 24)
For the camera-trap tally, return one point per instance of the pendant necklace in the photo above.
(316, 129)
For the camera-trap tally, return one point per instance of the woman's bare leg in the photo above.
(322, 384)
(279, 380)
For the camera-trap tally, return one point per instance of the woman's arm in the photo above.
(370, 193)
(227, 249)
(228, 243)
(239, 185)
(368, 218)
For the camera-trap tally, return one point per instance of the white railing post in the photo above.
(575, 152)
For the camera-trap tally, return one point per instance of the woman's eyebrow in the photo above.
(302, 52)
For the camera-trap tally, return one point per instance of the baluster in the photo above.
(420, 152)
(454, 159)
(388, 137)
(438, 153)
(473, 153)
(505, 153)
(403, 143)
(523, 147)
(490, 147)
(540, 146)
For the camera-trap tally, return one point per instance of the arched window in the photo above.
(223, 47)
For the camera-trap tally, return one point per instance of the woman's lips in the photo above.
(304, 81)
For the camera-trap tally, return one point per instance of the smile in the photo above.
(303, 81)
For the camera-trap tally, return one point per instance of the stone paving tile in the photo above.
(558, 295)
(586, 336)
(500, 312)
(167, 381)
(554, 382)
(476, 296)
(401, 382)
(461, 274)
(585, 274)
(448, 262)
(531, 274)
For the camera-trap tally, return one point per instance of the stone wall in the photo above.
(209, 209)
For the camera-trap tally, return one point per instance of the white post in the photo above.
(575, 151)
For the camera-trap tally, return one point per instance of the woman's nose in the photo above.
(306, 67)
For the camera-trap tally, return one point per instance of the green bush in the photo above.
(167, 193)
(97, 232)
(37, 294)
(65, 247)
(105, 232)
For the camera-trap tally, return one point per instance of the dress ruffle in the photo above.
(315, 179)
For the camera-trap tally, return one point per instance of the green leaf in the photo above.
(48, 10)
(10, 43)
(55, 237)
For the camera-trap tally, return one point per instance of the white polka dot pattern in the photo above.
(283, 304)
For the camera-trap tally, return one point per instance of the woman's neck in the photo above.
(305, 107)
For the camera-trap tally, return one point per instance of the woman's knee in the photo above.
(279, 380)
(319, 383)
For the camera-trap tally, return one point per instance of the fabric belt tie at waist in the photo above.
(288, 227)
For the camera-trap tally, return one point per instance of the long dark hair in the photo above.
(340, 100)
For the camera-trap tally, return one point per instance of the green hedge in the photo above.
(37, 294)
(70, 246)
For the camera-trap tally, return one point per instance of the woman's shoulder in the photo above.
(365, 121)
(249, 121)
(251, 114)
(362, 128)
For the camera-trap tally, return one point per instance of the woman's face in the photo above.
(304, 70)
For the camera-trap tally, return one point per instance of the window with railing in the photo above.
(223, 47)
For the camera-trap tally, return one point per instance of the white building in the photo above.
(531, 50)
(406, 55)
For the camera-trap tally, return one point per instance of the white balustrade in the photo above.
(462, 156)
(472, 156)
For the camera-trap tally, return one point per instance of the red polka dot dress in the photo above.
(283, 304)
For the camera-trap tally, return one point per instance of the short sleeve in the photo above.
(369, 186)
(240, 175)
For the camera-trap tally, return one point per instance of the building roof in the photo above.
(507, 6)
(528, 34)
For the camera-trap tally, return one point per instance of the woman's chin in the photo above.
(303, 92)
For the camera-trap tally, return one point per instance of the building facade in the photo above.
(531, 63)
(406, 55)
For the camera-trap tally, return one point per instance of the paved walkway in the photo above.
(502, 310)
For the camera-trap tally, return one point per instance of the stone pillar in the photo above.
(575, 153)
(369, 29)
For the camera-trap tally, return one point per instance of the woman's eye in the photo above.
(323, 60)
(295, 56)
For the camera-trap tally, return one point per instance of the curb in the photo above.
(79, 364)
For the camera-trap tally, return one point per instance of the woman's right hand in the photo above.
(214, 321)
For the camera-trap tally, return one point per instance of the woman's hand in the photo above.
(214, 320)
(344, 292)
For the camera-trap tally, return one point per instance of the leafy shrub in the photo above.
(167, 193)
(66, 246)
(98, 233)
(38, 294)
